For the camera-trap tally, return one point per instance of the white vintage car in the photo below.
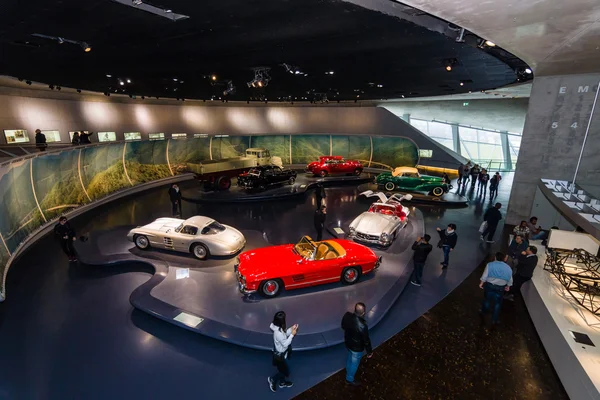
(381, 223)
(201, 236)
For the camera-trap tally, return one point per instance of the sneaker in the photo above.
(415, 283)
(353, 383)
(272, 385)
(286, 384)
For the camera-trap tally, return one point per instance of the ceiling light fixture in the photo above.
(128, 80)
(261, 77)
(213, 77)
(448, 68)
(136, 2)
(462, 83)
(450, 63)
(84, 45)
(108, 75)
(379, 86)
(121, 83)
(528, 70)
(490, 43)
(230, 88)
(60, 40)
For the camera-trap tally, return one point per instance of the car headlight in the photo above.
(385, 237)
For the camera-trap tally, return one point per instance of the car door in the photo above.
(408, 181)
(184, 238)
(267, 176)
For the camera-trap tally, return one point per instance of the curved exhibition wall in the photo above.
(34, 191)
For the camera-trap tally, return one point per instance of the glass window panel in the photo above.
(445, 142)
(468, 134)
(440, 130)
(490, 152)
(469, 150)
(489, 137)
(514, 144)
(420, 125)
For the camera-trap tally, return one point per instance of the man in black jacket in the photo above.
(66, 235)
(356, 337)
(527, 262)
(492, 216)
(448, 239)
(421, 248)
(319, 195)
(84, 138)
(319, 221)
(40, 140)
(175, 197)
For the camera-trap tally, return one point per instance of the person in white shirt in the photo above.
(282, 340)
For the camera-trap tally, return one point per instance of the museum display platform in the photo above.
(303, 183)
(203, 296)
(449, 199)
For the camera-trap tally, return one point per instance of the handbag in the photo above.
(483, 227)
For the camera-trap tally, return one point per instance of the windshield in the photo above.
(213, 228)
(178, 229)
(305, 248)
(383, 209)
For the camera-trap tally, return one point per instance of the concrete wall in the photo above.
(500, 114)
(559, 111)
(103, 114)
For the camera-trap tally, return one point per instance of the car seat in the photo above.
(321, 251)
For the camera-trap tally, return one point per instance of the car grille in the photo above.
(168, 242)
(364, 236)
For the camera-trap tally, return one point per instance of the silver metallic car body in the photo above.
(378, 228)
(164, 233)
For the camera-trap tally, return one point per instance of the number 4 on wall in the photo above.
(574, 125)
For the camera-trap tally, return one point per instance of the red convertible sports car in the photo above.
(331, 165)
(269, 270)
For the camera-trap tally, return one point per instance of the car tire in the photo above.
(292, 180)
(390, 186)
(199, 251)
(323, 174)
(270, 288)
(438, 191)
(357, 172)
(351, 275)
(223, 183)
(141, 242)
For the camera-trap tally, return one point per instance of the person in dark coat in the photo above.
(175, 197)
(320, 195)
(483, 179)
(319, 220)
(494, 182)
(84, 138)
(474, 175)
(527, 262)
(492, 216)
(516, 247)
(66, 234)
(448, 239)
(40, 140)
(75, 139)
(357, 340)
(421, 248)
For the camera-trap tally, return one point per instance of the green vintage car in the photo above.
(409, 179)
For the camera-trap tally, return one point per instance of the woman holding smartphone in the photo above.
(282, 339)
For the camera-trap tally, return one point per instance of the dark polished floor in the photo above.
(449, 353)
(68, 331)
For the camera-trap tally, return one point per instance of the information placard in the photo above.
(133, 136)
(16, 136)
(107, 136)
(52, 136)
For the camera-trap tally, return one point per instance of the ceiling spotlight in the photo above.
(136, 2)
(259, 83)
(490, 43)
(528, 70)
(462, 84)
(213, 77)
(380, 86)
(230, 88)
(329, 72)
(121, 83)
(448, 67)
(61, 40)
(108, 75)
(128, 80)
(175, 79)
(86, 47)
(261, 77)
(28, 82)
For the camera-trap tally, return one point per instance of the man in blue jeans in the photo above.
(447, 242)
(496, 279)
(356, 337)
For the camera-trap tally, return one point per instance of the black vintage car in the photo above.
(263, 176)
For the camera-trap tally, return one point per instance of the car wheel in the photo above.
(350, 275)
(270, 288)
(389, 186)
(357, 171)
(141, 242)
(223, 183)
(200, 251)
(438, 191)
(291, 180)
(323, 174)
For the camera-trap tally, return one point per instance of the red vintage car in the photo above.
(269, 270)
(332, 165)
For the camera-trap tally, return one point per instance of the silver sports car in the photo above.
(201, 236)
(381, 223)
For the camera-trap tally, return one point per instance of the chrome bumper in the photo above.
(241, 280)
(361, 238)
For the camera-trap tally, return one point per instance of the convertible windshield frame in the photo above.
(305, 247)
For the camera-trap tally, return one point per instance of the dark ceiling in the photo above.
(372, 55)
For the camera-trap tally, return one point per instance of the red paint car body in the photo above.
(332, 165)
(269, 270)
